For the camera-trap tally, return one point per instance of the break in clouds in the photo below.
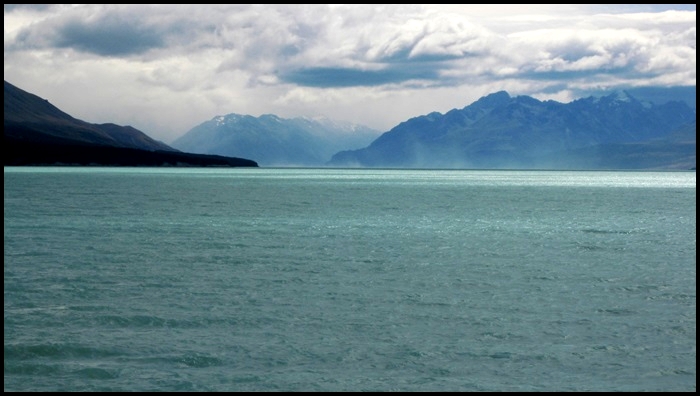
(169, 67)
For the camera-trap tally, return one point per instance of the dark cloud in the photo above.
(109, 31)
(330, 77)
(576, 75)
(109, 37)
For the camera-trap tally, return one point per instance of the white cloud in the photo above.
(166, 68)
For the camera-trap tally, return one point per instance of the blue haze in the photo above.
(154, 279)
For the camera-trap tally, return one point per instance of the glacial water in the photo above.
(163, 279)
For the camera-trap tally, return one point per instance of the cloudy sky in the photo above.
(166, 68)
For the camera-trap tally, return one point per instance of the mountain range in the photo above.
(35, 132)
(275, 141)
(616, 131)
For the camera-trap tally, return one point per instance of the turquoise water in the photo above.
(155, 279)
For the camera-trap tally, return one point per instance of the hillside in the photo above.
(36, 132)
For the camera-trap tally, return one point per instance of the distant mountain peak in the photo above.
(494, 99)
(623, 96)
(276, 141)
(271, 117)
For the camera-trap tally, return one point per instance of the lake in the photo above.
(283, 279)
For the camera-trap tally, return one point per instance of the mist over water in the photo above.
(143, 279)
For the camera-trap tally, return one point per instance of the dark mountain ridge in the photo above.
(36, 132)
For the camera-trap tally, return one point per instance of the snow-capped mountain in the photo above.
(501, 131)
(275, 141)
